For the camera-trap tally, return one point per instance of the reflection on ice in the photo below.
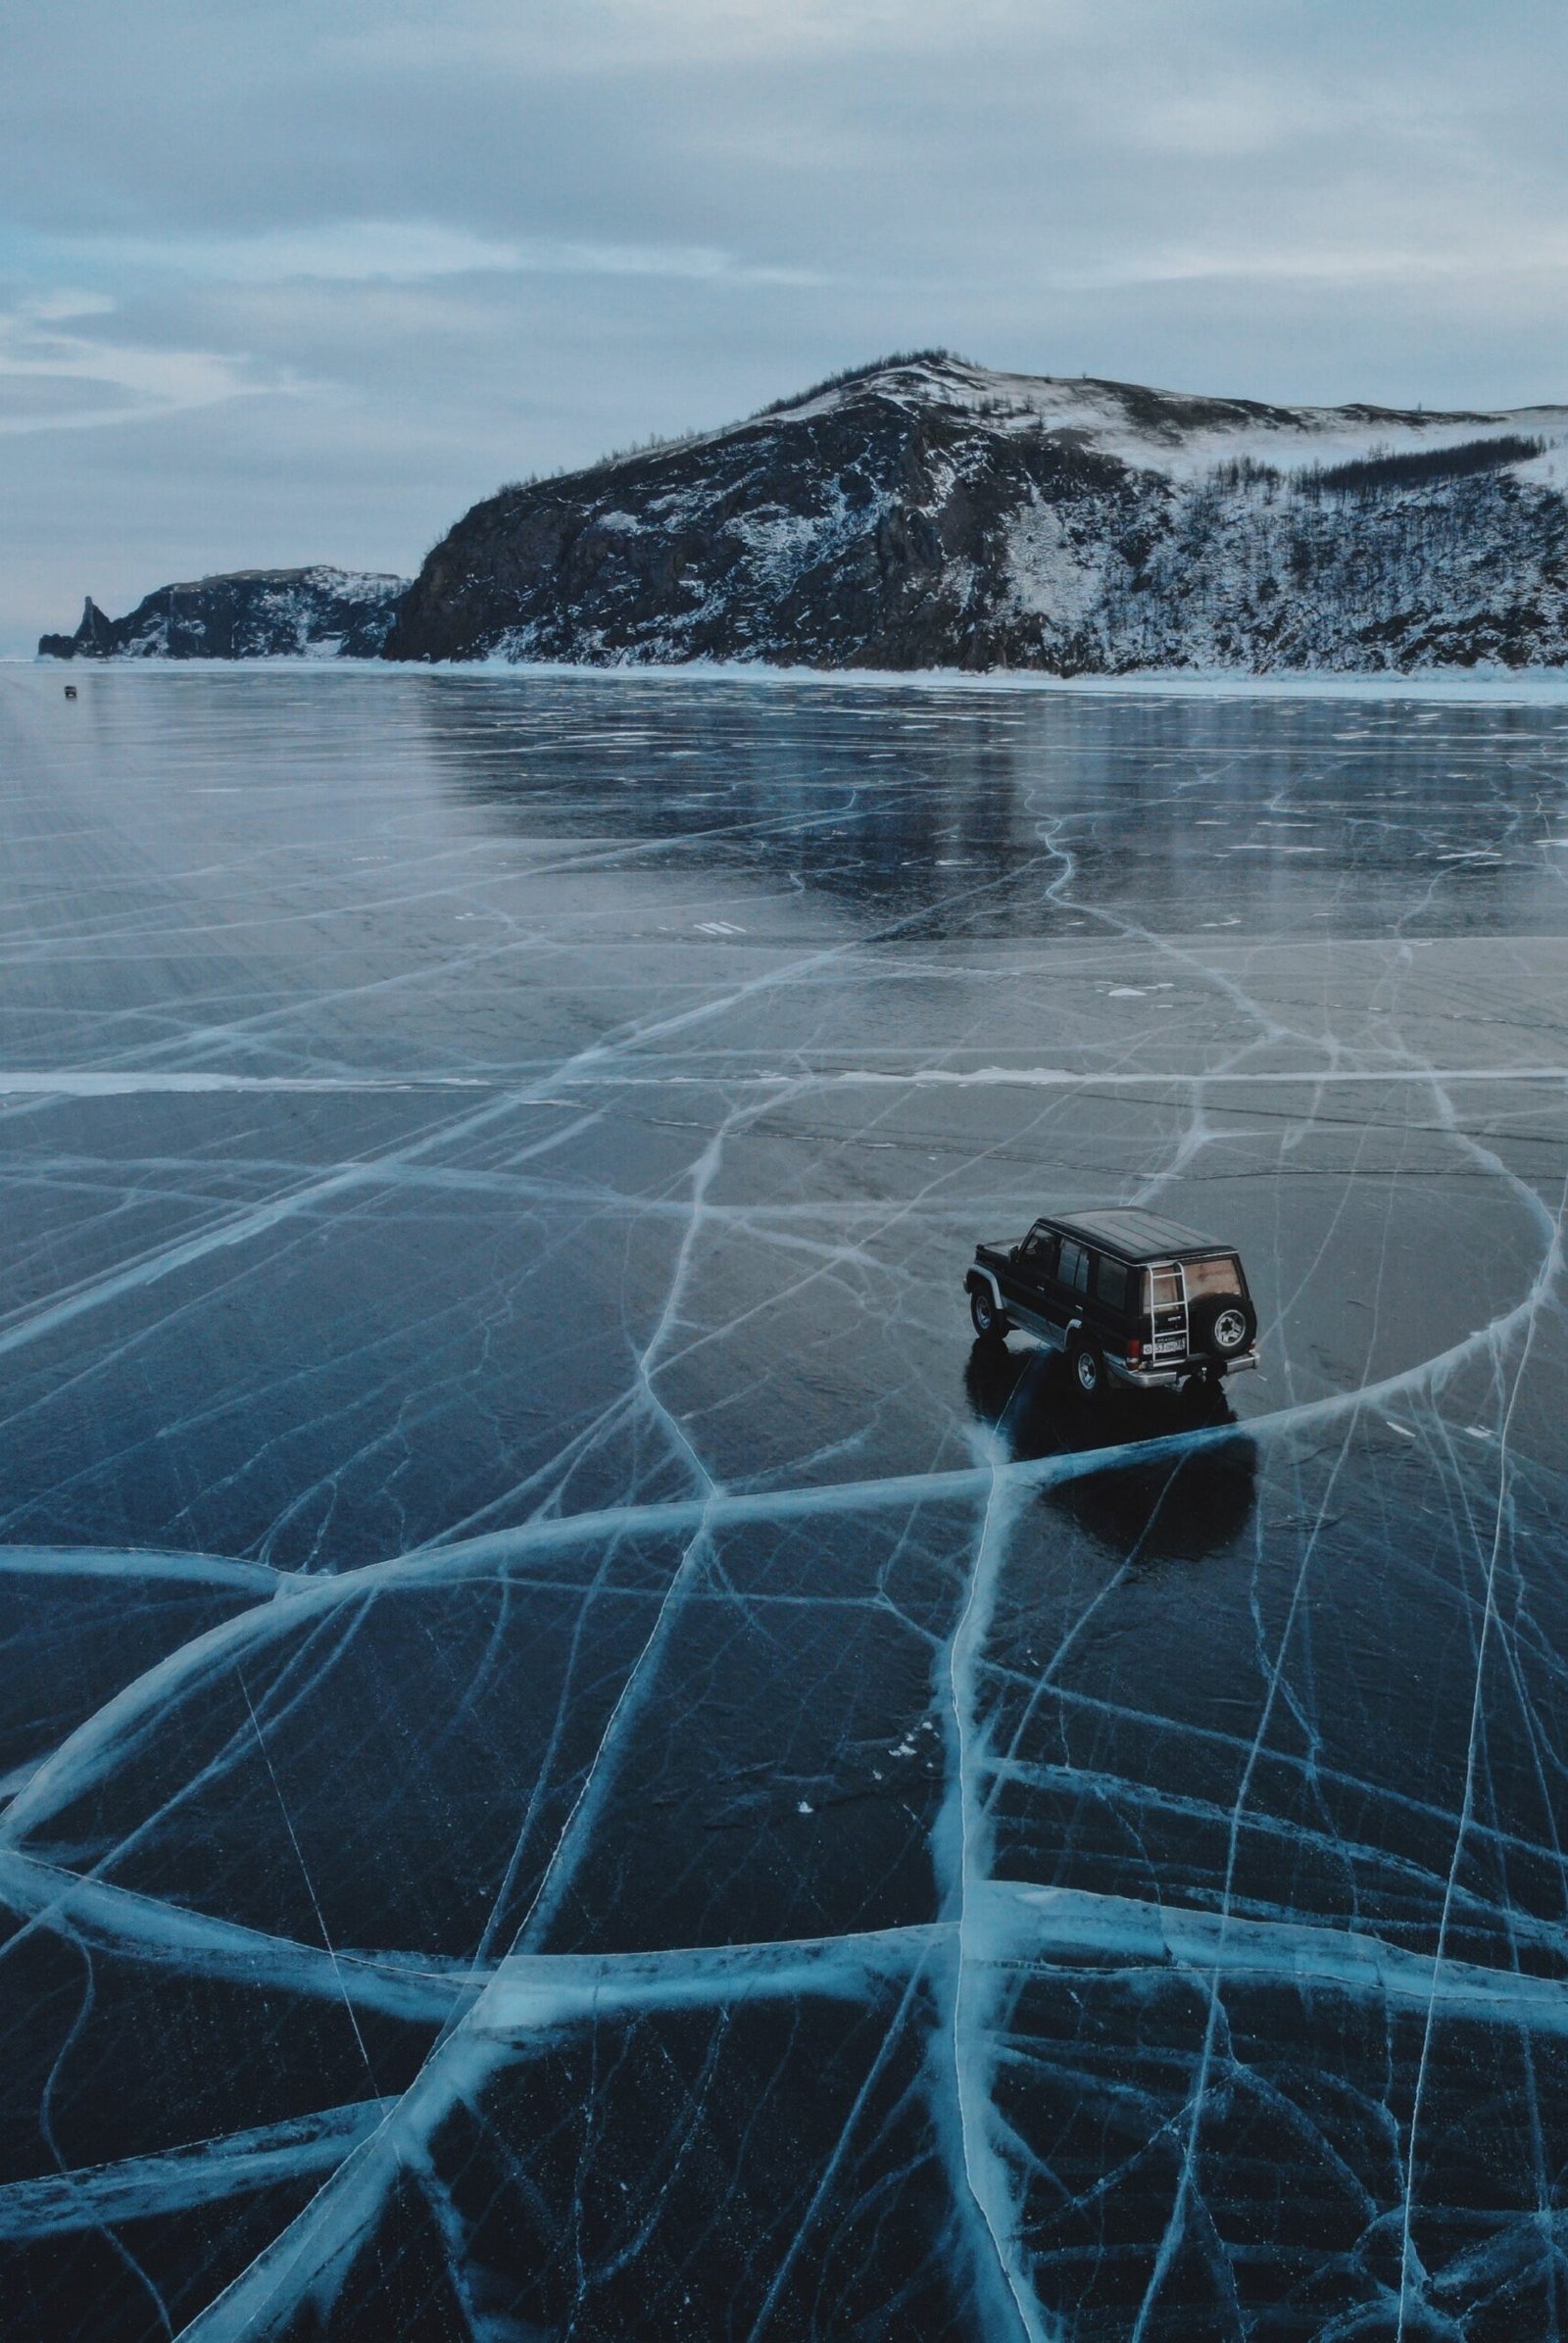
(1198, 1497)
(574, 1760)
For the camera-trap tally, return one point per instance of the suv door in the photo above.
(1068, 1290)
(1027, 1276)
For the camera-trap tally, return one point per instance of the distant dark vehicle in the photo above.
(1127, 1294)
(71, 691)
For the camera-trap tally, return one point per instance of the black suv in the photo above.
(1125, 1294)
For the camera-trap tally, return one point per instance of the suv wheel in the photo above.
(1087, 1368)
(990, 1323)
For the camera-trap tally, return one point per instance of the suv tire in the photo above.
(1223, 1326)
(1087, 1368)
(990, 1323)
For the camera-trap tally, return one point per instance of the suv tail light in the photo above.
(1134, 1349)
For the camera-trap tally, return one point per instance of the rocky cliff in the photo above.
(927, 513)
(250, 613)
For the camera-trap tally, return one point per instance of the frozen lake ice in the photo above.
(577, 1762)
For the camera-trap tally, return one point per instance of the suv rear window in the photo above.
(1212, 1277)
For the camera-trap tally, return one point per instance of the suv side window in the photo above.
(1111, 1283)
(1039, 1250)
(1073, 1270)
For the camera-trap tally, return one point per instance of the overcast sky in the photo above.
(293, 280)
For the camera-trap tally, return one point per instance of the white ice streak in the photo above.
(124, 1564)
(962, 1853)
(205, 2173)
(77, 1082)
(1020, 1926)
(420, 1990)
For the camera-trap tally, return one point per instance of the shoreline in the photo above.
(1539, 686)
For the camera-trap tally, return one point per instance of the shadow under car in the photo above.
(1181, 1505)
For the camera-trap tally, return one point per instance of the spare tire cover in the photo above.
(1223, 1324)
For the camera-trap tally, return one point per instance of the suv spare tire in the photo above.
(1222, 1325)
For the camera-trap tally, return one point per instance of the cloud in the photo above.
(573, 36)
(1341, 266)
(55, 308)
(56, 382)
(367, 251)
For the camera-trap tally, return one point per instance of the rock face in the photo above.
(930, 514)
(250, 613)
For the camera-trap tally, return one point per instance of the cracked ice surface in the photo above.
(575, 1763)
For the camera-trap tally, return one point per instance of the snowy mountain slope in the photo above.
(929, 513)
(249, 613)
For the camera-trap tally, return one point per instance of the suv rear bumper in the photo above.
(1159, 1379)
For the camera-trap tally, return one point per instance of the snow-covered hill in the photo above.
(925, 512)
(928, 513)
(249, 613)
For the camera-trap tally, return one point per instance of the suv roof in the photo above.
(1134, 1234)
